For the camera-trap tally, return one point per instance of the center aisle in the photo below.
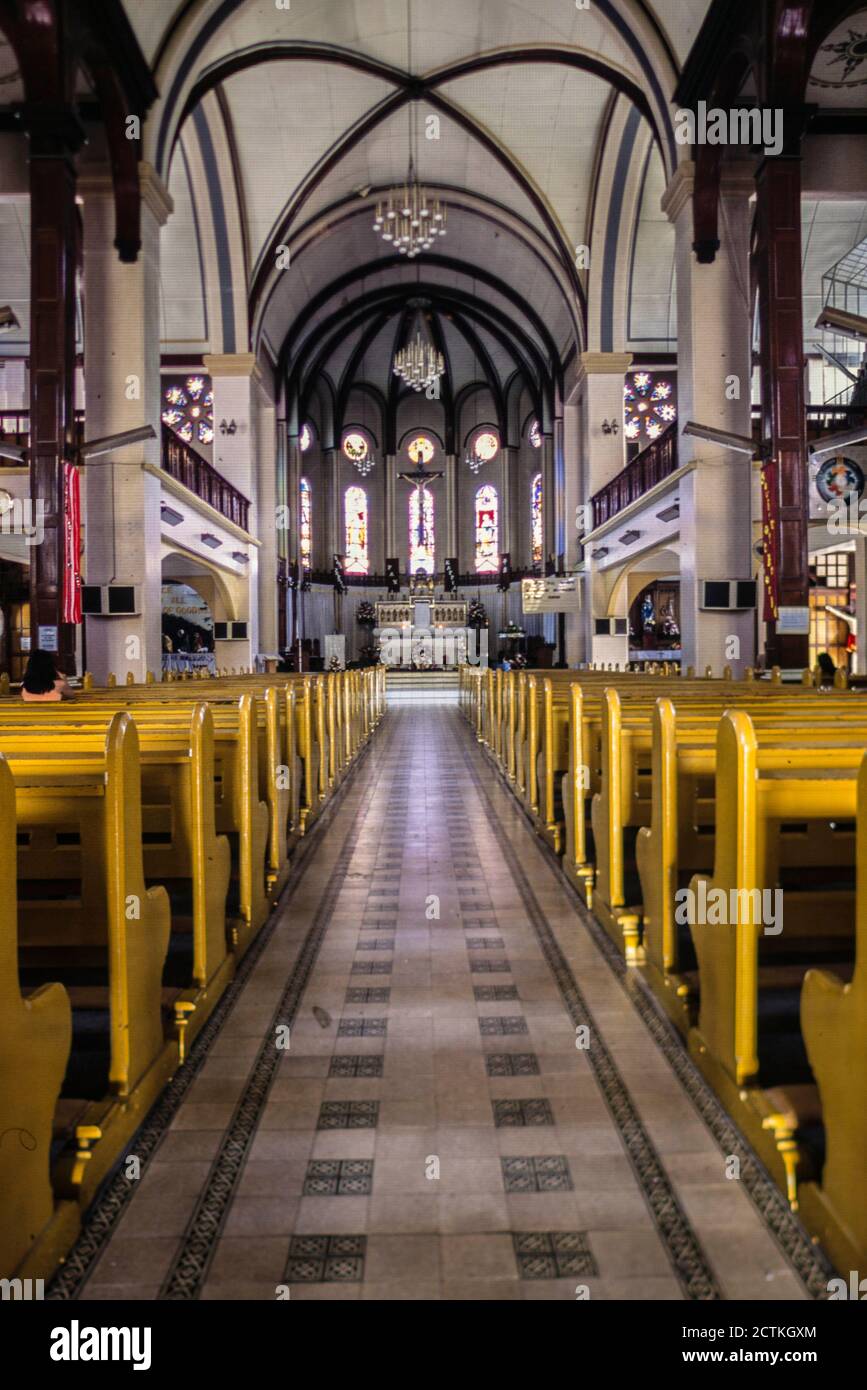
(432, 1130)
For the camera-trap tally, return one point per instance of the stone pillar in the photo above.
(511, 510)
(451, 529)
(236, 381)
(602, 456)
(572, 499)
(122, 367)
(270, 641)
(331, 530)
(53, 236)
(548, 501)
(714, 374)
(390, 491)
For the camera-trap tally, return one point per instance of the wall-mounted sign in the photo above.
(551, 595)
(48, 639)
(794, 621)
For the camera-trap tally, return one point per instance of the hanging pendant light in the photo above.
(409, 217)
(419, 364)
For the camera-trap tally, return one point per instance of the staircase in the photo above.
(421, 684)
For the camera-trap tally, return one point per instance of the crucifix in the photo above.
(419, 479)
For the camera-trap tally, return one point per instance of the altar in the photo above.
(422, 633)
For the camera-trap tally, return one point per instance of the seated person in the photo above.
(42, 680)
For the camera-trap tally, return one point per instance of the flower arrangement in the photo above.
(366, 614)
(476, 615)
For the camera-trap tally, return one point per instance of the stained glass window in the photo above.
(421, 533)
(648, 407)
(306, 529)
(189, 410)
(536, 514)
(355, 447)
(421, 449)
(485, 446)
(355, 519)
(305, 438)
(486, 530)
(535, 435)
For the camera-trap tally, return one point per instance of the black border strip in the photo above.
(808, 1261)
(197, 1246)
(103, 1215)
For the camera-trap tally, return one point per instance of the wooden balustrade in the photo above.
(647, 469)
(183, 464)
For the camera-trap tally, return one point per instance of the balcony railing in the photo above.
(648, 468)
(183, 464)
(179, 460)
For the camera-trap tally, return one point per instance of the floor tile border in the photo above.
(808, 1262)
(103, 1215)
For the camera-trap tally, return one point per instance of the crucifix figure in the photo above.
(419, 479)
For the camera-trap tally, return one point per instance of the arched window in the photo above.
(487, 531)
(536, 515)
(355, 530)
(306, 528)
(422, 541)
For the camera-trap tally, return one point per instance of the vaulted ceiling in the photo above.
(511, 105)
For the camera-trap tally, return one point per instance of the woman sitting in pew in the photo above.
(42, 680)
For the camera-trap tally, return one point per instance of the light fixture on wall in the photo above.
(210, 541)
(240, 558)
(169, 515)
(228, 428)
(610, 427)
(409, 217)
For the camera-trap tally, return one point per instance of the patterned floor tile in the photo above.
(497, 1027)
(371, 967)
(536, 1111)
(362, 1028)
(489, 994)
(490, 967)
(348, 1114)
(367, 996)
(541, 1173)
(512, 1064)
(554, 1255)
(326, 1260)
(484, 943)
(351, 1065)
(339, 1177)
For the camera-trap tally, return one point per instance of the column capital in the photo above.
(678, 191)
(232, 364)
(602, 364)
(154, 194)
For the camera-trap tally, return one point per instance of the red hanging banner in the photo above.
(71, 612)
(770, 541)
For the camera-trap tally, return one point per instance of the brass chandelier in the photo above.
(419, 364)
(410, 218)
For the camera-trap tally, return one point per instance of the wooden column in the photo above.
(52, 363)
(778, 265)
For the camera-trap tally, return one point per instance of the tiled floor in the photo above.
(434, 1128)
